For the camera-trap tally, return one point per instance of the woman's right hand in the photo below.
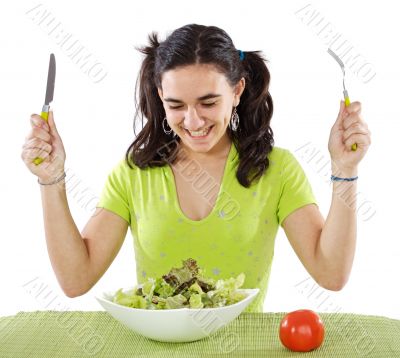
(44, 141)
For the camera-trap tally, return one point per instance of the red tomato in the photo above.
(301, 331)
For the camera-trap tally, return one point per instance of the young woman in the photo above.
(203, 179)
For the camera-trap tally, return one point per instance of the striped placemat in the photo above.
(97, 334)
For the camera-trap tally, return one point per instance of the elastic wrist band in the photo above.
(333, 178)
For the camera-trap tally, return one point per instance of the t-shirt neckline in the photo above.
(228, 164)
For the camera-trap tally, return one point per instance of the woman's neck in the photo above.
(216, 154)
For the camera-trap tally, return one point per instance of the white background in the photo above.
(95, 122)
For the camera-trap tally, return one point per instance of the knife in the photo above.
(51, 77)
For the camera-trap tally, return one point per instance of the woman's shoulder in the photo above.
(286, 160)
(277, 154)
(128, 167)
(122, 168)
(281, 158)
(125, 164)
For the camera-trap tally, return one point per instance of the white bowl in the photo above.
(176, 325)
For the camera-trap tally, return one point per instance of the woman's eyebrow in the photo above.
(202, 98)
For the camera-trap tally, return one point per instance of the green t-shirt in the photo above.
(237, 236)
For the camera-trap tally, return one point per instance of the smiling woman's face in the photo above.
(197, 98)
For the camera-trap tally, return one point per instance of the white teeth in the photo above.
(199, 133)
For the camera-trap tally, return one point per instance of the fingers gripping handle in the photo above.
(347, 103)
(45, 116)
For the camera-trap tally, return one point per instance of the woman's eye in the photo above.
(204, 104)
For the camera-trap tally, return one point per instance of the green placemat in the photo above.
(97, 334)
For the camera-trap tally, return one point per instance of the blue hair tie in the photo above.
(241, 53)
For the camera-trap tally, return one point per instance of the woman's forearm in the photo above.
(67, 251)
(336, 247)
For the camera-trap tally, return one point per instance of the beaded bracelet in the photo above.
(53, 182)
(343, 179)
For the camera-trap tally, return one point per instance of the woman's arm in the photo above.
(336, 247)
(67, 251)
(79, 259)
(326, 248)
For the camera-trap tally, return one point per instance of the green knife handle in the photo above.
(45, 116)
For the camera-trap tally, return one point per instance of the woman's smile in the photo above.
(201, 134)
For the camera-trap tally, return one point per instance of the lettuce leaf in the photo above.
(186, 286)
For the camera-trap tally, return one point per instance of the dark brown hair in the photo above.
(198, 44)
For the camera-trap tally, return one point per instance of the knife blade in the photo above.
(51, 77)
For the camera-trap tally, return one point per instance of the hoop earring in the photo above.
(166, 131)
(234, 123)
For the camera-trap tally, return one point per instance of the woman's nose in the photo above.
(192, 120)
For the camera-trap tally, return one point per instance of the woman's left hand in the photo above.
(348, 129)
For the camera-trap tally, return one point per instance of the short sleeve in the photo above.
(114, 194)
(296, 190)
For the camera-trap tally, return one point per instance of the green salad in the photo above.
(182, 287)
